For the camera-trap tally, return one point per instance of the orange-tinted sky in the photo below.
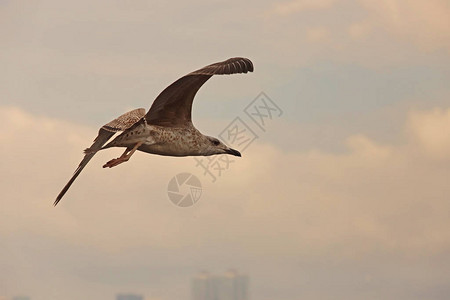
(345, 196)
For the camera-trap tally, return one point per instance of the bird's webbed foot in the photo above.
(123, 158)
(116, 161)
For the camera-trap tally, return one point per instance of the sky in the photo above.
(344, 194)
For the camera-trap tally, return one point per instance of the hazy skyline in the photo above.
(345, 196)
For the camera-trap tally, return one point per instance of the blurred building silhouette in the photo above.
(229, 286)
(21, 298)
(202, 287)
(129, 297)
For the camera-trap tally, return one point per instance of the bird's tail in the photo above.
(100, 140)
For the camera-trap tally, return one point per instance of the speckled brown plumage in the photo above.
(167, 128)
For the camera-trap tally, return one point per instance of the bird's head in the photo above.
(214, 146)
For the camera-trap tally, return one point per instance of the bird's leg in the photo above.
(116, 161)
(123, 158)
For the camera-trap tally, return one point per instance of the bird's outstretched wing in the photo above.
(122, 123)
(172, 108)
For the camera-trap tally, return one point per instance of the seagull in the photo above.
(166, 129)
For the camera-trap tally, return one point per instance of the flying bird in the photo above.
(166, 129)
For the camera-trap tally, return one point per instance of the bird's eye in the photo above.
(216, 142)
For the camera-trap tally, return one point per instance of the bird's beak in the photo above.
(233, 152)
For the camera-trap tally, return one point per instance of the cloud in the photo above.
(425, 24)
(317, 34)
(372, 200)
(364, 161)
(431, 129)
(359, 29)
(373, 33)
(296, 217)
(296, 6)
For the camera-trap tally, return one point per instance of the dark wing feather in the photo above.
(172, 108)
(123, 122)
(102, 138)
